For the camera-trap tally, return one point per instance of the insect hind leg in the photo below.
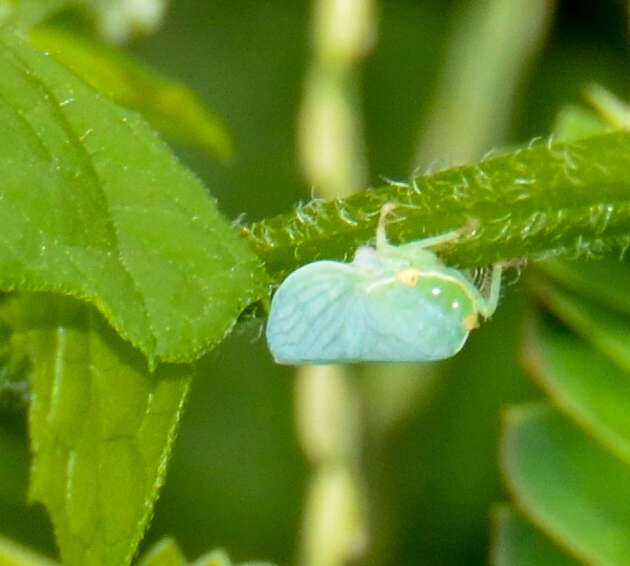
(488, 304)
(430, 242)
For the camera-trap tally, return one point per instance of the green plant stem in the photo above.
(547, 198)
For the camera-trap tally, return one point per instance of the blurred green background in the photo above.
(237, 477)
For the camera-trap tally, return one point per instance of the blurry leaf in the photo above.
(568, 485)
(518, 543)
(167, 553)
(575, 123)
(562, 198)
(13, 554)
(214, 558)
(163, 553)
(220, 558)
(120, 20)
(490, 50)
(605, 280)
(591, 386)
(101, 428)
(23, 14)
(5, 10)
(167, 105)
(611, 108)
(117, 20)
(576, 487)
(604, 328)
(110, 216)
(582, 383)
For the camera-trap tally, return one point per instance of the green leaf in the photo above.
(574, 486)
(602, 327)
(167, 105)
(119, 21)
(219, 557)
(613, 110)
(101, 428)
(166, 553)
(575, 123)
(605, 281)
(568, 485)
(518, 543)
(14, 554)
(110, 216)
(582, 383)
(216, 557)
(546, 198)
(23, 14)
(163, 553)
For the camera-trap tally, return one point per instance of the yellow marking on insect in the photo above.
(408, 276)
(471, 321)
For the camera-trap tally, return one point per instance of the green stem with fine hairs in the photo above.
(571, 198)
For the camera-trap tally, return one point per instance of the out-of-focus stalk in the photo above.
(489, 53)
(334, 528)
(329, 130)
(493, 46)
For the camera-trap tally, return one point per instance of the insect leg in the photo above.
(381, 234)
(433, 241)
(488, 304)
(439, 239)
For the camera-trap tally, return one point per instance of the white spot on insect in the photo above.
(436, 291)
(455, 304)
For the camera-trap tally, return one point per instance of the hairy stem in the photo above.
(571, 198)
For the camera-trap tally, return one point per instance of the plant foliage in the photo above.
(567, 463)
(118, 272)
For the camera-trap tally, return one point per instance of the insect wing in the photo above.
(316, 315)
